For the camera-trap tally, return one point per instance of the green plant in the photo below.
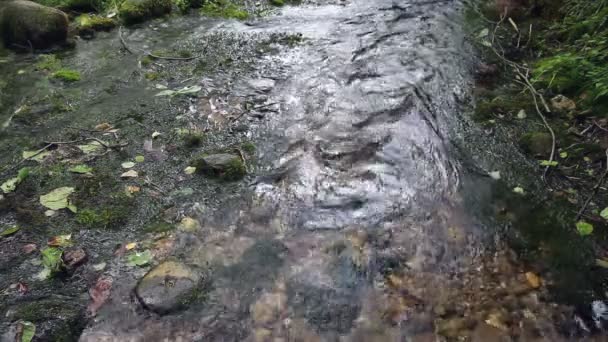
(67, 75)
(224, 9)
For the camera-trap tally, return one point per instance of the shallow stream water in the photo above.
(358, 221)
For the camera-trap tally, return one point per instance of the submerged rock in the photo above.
(168, 287)
(136, 11)
(537, 143)
(223, 165)
(26, 24)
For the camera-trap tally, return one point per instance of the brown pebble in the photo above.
(74, 257)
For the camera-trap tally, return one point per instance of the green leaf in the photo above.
(563, 155)
(51, 258)
(550, 163)
(140, 159)
(139, 258)
(604, 213)
(10, 185)
(28, 330)
(127, 165)
(9, 231)
(584, 228)
(23, 173)
(81, 169)
(57, 199)
(92, 147)
(519, 190)
(35, 157)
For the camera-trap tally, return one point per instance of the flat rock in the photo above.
(168, 287)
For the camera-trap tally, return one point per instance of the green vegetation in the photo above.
(277, 2)
(224, 9)
(67, 75)
(48, 63)
(136, 11)
(95, 22)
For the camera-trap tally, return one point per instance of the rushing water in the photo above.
(357, 223)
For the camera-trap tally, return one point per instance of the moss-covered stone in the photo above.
(136, 11)
(26, 24)
(88, 24)
(224, 166)
(168, 287)
(537, 143)
(55, 320)
(67, 75)
(224, 9)
(277, 2)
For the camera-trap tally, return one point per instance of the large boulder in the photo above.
(136, 11)
(168, 287)
(26, 24)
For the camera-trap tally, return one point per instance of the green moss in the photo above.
(277, 2)
(146, 60)
(136, 11)
(67, 75)
(159, 227)
(95, 22)
(536, 143)
(224, 9)
(248, 147)
(191, 138)
(229, 169)
(48, 63)
(60, 320)
(152, 76)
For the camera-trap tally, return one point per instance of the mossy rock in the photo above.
(224, 9)
(136, 11)
(168, 287)
(89, 24)
(537, 143)
(67, 75)
(25, 24)
(224, 166)
(55, 320)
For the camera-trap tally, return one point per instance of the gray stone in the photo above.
(168, 287)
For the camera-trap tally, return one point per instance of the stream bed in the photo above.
(364, 215)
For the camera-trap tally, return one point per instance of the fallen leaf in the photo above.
(74, 257)
(550, 163)
(495, 175)
(103, 127)
(99, 294)
(51, 258)
(155, 134)
(60, 241)
(50, 213)
(140, 159)
(9, 231)
(533, 280)
(29, 248)
(521, 114)
(84, 169)
(91, 147)
(584, 228)
(35, 155)
(519, 190)
(127, 165)
(130, 246)
(10, 185)
(604, 213)
(130, 174)
(22, 288)
(131, 189)
(58, 199)
(25, 331)
(183, 91)
(563, 155)
(139, 258)
(188, 224)
(99, 267)
(190, 170)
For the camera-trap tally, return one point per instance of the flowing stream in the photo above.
(358, 221)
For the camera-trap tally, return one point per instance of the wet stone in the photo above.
(222, 165)
(168, 287)
(74, 257)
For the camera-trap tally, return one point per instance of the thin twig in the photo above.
(596, 188)
(124, 43)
